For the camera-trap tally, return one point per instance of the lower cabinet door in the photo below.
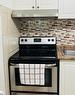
(67, 77)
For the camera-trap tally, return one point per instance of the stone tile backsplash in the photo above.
(63, 29)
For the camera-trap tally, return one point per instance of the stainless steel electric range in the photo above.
(35, 67)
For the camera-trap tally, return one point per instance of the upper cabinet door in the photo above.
(6, 3)
(47, 4)
(24, 4)
(35, 4)
(66, 8)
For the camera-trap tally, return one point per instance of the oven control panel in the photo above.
(37, 40)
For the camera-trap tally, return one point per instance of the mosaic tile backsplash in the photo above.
(63, 29)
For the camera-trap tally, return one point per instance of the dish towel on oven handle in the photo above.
(32, 74)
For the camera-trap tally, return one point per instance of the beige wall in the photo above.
(9, 42)
(2, 85)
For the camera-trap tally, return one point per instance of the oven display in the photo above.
(37, 40)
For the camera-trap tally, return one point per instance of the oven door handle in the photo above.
(50, 65)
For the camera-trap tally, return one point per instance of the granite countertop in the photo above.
(62, 48)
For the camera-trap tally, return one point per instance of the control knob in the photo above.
(52, 40)
(25, 40)
(22, 40)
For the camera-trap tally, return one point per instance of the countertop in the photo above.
(61, 48)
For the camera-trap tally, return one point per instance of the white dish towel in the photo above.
(32, 74)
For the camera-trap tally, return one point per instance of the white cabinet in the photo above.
(67, 77)
(37, 4)
(66, 8)
(7, 3)
(47, 4)
(23, 4)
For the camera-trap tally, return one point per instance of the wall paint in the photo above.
(2, 81)
(8, 45)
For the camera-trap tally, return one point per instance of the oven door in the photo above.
(49, 84)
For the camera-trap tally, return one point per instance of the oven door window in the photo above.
(33, 75)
